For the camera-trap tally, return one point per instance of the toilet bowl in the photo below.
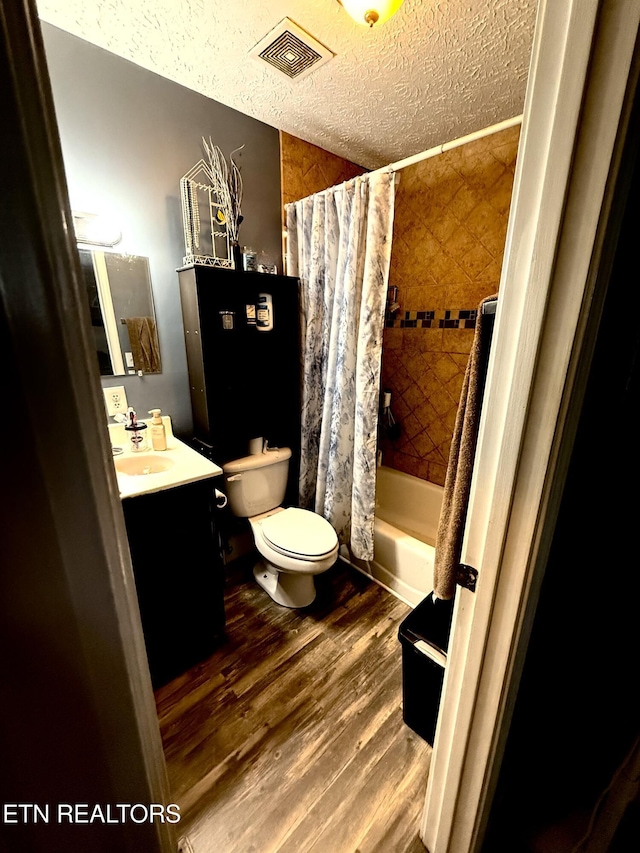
(295, 544)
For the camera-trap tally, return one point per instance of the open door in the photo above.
(573, 126)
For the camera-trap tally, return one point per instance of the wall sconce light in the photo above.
(96, 230)
(371, 12)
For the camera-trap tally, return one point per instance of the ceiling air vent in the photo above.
(290, 50)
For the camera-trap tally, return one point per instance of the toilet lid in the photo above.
(299, 532)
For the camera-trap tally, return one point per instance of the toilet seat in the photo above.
(299, 533)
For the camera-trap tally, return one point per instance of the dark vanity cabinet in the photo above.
(179, 575)
(242, 337)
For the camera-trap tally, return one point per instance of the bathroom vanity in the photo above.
(169, 504)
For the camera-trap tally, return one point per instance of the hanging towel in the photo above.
(460, 467)
(143, 339)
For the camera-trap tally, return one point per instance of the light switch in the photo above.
(116, 399)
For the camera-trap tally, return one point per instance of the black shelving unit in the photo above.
(244, 377)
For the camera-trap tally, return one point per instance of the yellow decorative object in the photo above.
(371, 12)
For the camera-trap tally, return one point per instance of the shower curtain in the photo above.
(339, 246)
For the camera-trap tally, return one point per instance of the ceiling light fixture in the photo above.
(370, 12)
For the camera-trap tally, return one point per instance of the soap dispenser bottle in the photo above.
(158, 431)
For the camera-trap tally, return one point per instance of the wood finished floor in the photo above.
(290, 738)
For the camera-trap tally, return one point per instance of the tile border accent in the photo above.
(450, 318)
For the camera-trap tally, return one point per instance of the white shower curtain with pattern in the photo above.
(339, 246)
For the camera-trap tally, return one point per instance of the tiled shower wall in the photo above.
(306, 169)
(448, 240)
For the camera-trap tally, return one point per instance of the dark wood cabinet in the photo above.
(244, 376)
(179, 575)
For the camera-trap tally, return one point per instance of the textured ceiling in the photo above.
(436, 71)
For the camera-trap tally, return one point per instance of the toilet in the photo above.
(295, 544)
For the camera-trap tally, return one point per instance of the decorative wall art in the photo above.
(211, 195)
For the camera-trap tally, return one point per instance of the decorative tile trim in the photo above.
(450, 318)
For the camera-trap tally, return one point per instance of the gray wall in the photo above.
(128, 136)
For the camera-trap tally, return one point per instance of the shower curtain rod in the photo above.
(424, 155)
(447, 146)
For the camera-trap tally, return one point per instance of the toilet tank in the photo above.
(257, 483)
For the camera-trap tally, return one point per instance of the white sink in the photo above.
(145, 464)
(153, 471)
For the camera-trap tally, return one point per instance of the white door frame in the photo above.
(581, 62)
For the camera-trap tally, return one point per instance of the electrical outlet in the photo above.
(115, 399)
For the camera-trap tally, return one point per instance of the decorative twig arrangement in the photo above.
(227, 185)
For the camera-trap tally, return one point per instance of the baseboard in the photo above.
(376, 581)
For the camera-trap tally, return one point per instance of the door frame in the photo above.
(79, 718)
(574, 120)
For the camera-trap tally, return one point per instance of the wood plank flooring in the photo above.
(290, 738)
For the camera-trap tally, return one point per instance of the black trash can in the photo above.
(424, 637)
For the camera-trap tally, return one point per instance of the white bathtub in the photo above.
(407, 513)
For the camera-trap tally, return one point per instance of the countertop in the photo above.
(189, 466)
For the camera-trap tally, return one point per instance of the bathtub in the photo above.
(407, 513)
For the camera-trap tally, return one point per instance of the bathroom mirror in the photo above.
(122, 313)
